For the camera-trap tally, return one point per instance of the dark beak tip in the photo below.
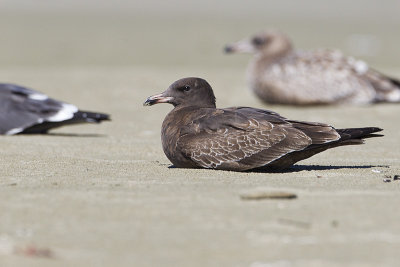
(228, 49)
(148, 102)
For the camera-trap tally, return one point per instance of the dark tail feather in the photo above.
(358, 133)
(395, 82)
(87, 116)
(79, 117)
(349, 136)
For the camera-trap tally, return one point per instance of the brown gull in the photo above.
(196, 134)
(25, 111)
(280, 74)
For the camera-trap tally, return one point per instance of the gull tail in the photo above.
(88, 116)
(356, 135)
(349, 136)
(79, 117)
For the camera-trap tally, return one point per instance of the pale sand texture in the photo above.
(111, 200)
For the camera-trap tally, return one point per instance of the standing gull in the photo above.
(279, 74)
(196, 134)
(25, 111)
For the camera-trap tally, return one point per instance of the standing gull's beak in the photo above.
(156, 99)
(243, 46)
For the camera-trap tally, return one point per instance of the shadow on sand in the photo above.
(299, 168)
(76, 135)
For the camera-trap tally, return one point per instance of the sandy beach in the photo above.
(105, 195)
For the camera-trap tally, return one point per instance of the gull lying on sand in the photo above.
(25, 111)
(279, 74)
(196, 134)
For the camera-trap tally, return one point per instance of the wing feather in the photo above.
(322, 76)
(21, 108)
(240, 143)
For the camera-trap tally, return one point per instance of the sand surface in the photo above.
(104, 195)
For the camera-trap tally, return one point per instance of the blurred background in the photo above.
(178, 32)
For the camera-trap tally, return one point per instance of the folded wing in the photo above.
(245, 138)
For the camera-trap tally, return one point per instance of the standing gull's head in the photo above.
(267, 43)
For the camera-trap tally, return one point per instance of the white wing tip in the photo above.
(361, 67)
(65, 113)
(37, 96)
(14, 131)
(393, 96)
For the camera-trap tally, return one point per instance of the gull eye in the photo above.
(257, 41)
(185, 88)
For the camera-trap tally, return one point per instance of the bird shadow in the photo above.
(76, 135)
(300, 168)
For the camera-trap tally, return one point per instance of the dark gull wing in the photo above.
(387, 88)
(319, 132)
(228, 139)
(262, 114)
(21, 108)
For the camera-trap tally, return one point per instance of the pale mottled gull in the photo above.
(24, 111)
(280, 74)
(196, 134)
